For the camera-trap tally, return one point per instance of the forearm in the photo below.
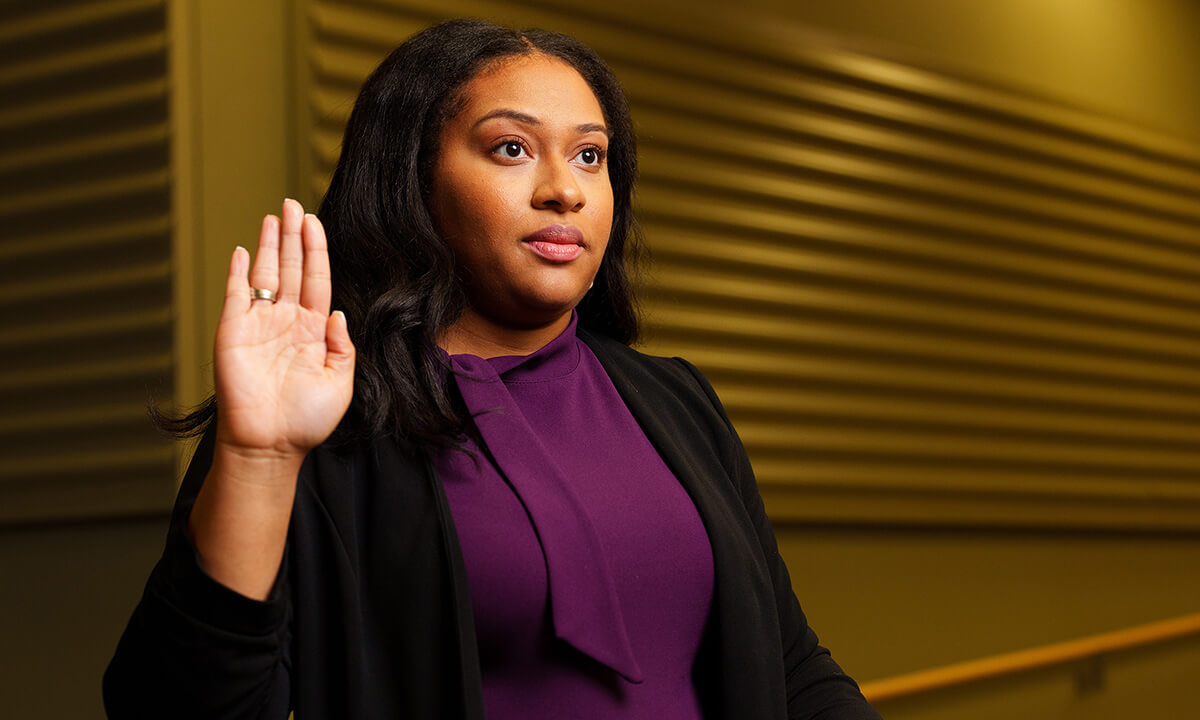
(239, 523)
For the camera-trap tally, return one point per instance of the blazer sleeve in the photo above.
(817, 688)
(193, 647)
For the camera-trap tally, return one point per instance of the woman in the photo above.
(502, 437)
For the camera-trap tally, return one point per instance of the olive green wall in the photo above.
(894, 601)
(886, 600)
(1131, 59)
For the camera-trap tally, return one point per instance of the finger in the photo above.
(291, 252)
(237, 287)
(315, 290)
(265, 273)
(339, 355)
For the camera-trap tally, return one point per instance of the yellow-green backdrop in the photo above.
(939, 259)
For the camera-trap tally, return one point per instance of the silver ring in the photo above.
(262, 294)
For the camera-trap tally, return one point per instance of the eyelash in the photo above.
(498, 149)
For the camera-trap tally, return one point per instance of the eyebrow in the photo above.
(531, 120)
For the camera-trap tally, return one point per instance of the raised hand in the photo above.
(284, 368)
(284, 377)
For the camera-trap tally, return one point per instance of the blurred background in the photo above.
(940, 258)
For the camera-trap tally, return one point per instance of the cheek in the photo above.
(484, 205)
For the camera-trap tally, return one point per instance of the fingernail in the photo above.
(241, 247)
(287, 199)
(309, 215)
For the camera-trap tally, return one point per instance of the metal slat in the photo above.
(990, 330)
(72, 106)
(671, 205)
(899, 442)
(724, 348)
(76, 419)
(88, 463)
(44, 70)
(691, 248)
(57, 20)
(752, 401)
(74, 375)
(929, 481)
(88, 238)
(88, 192)
(48, 288)
(753, 187)
(91, 147)
(78, 331)
(677, 137)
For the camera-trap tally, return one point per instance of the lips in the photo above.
(556, 243)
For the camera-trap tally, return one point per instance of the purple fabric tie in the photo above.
(583, 598)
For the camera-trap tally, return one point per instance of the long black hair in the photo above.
(392, 273)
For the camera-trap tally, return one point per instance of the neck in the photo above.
(477, 335)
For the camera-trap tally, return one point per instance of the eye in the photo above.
(510, 150)
(590, 156)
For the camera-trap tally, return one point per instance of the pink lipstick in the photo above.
(556, 243)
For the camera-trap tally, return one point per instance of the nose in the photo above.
(557, 188)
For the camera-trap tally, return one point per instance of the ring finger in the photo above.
(265, 273)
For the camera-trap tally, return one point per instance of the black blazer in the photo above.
(370, 615)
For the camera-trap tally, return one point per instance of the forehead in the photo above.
(542, 86)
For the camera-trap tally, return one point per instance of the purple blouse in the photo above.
(590, 571)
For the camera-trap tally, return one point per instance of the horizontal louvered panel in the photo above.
(901, 442)
(86, 149)
(88, 462)
(47, 69)
(1031, 340)
(89, 241)
(128, 99)
(74, 331)
(920, 297)
(694, 248)
(28, 203)
(850, 234)
(70, 375)
(770, 362)
(85, 283)
(691, 140)
(1046, 116)
(764, 85)
(74, 420)
(993, 482)
(813, 403)
(748, 331)
(85, 260)
(752, 187)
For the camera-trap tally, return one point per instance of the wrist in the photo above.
(257, 467)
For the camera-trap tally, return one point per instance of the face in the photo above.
(520, 191)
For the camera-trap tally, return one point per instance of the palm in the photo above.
(284, 369)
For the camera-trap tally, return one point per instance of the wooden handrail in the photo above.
(1032, 659)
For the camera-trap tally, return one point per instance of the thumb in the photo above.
(339, 351)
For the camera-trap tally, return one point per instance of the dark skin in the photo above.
(526, 153)
(520, 193)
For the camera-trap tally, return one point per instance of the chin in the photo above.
(542, 309)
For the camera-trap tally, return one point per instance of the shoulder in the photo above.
(669, 388)
(646, 372)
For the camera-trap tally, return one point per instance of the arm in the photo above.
(194, 647)
(816, 686)
(209, 638)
